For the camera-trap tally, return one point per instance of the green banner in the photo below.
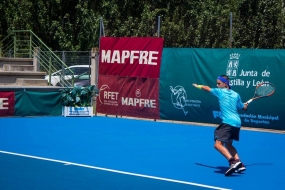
(246, 68)
(28, 103)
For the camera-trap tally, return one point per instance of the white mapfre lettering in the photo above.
(138, 102)
(117, 56)
(2, 103)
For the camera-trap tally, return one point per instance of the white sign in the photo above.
(77, 111)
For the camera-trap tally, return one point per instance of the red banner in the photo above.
(7, 103)
(130, 57)
(129, 71)
(124, 96)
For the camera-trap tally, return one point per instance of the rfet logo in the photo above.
(7, 103)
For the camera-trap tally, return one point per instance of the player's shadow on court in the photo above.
(220, 169)
(223, 169)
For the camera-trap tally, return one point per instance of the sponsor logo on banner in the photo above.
(237, 74)
(125, 96)
(233, 63)
(130, 57)
(139, 102)
(180, 101)
(108, 97)
(4, 104)
(7, 102)
(251, 118)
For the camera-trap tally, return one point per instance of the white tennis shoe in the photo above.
(241, 169)
(233, 167)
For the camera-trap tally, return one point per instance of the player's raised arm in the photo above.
(206, 88)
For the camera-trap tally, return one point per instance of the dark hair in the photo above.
(225, 76)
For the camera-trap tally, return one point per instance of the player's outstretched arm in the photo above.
(206, 88)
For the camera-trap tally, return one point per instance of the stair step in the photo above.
(11, 59)
(19, 73)
(31, 82)
(15, 61)
(8, 67)
(6, 84)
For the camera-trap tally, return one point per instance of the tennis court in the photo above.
(105, 153)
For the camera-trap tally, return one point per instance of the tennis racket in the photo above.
(262, 90)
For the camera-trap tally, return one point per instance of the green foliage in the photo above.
(78, 96)
(74, 24)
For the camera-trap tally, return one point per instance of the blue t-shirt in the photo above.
(229, 102)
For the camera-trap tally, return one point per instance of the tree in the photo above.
(74, 24)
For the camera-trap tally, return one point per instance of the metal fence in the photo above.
(74, 57)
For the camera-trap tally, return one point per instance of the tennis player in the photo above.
(229, 129)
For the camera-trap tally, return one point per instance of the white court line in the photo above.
(115, 171)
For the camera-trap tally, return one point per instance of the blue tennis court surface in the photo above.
(103, 153)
